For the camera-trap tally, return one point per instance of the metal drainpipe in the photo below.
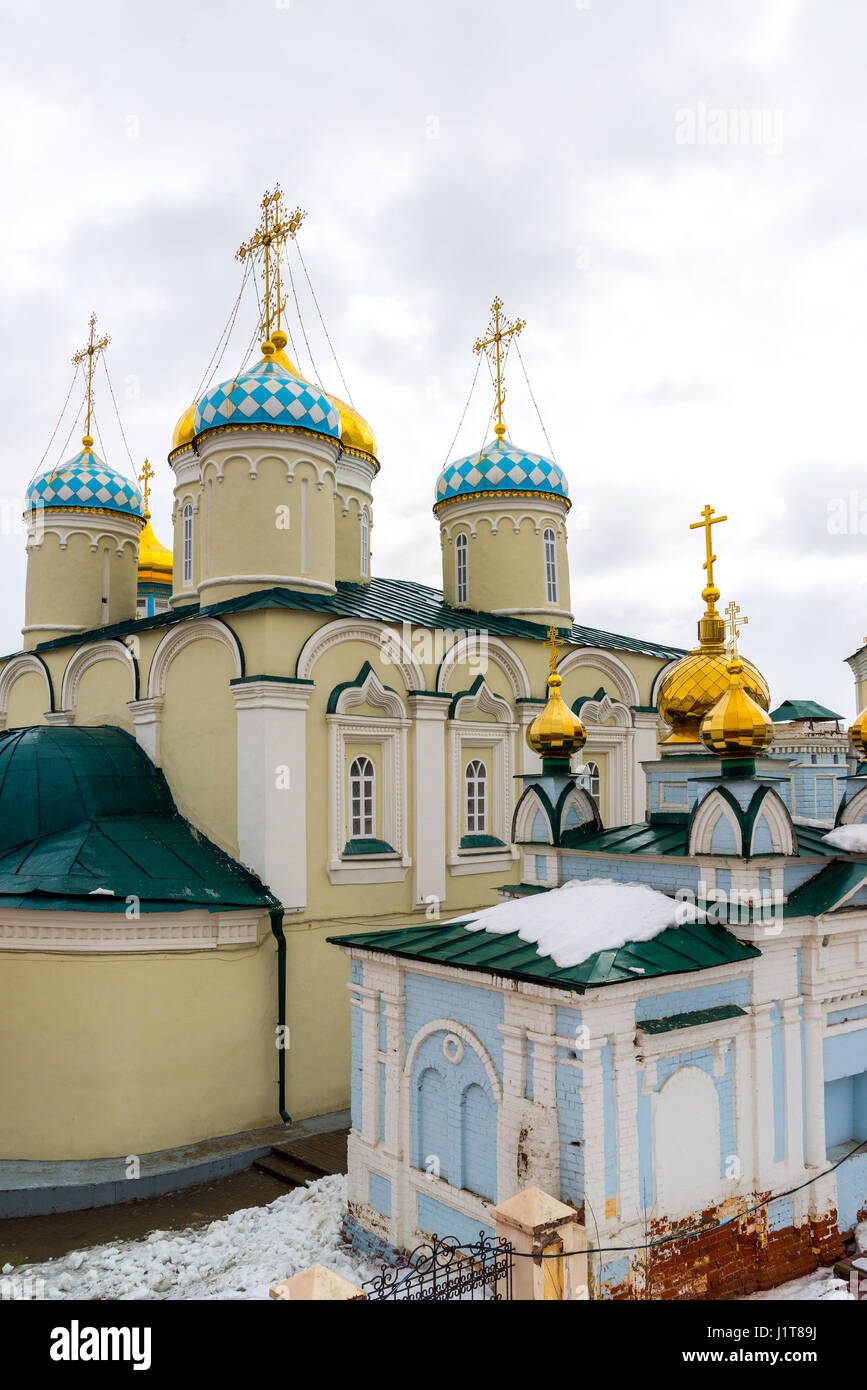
(276, 915)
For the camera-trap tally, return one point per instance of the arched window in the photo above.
(552, 592)
(365, 545)
(477, 797)
(187, 540)
(462, 577)
(593, 780)
(362, 799)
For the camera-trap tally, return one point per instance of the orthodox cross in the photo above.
(144, 478)
(554, 642)
(500, 331)
(733, 623)
(90, 352)
(708, 520)
(267, 241)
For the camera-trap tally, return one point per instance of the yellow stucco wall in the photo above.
(115, 1055)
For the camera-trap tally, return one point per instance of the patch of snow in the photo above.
(825, 824)
(861, 1237)
(238, 1257)
(587, 915)
(849, 837)
(823, 1286)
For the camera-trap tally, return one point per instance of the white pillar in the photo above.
(593, 1117)
(272, 784)
(763, 1094)
(626, 1102)
(429, 827)
(814, 1023)
(791, 1014)
(743, 1103)
(644, 750)
(147, 720)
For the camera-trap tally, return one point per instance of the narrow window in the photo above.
(462, 583)
(477, 798)
(365, 544)
(362, 799)
(187, 516)
(594, 781)
(551, 586)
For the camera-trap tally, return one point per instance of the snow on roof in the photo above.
(848, 837)
(587, 915)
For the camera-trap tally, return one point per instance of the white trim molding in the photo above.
(387, 640)
(345, 731)
(484, 646)
(20, 666)
(610, 666)
(197, 630)
(85, 657)
(113, 933)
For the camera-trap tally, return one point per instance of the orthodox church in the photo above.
(663, 1024)
(215, 758)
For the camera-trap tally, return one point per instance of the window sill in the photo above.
(482, 842)
(366, 847)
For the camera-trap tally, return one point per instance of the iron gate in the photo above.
(443, 1268)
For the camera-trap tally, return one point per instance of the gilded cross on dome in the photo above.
(555, 642)
(90, 352)
(144, 478)
(267, 241)
(500, 331)
(708, 520)
(733, 623)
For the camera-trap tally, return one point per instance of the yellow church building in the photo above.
(216, 757)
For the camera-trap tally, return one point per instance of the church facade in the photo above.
(346, 746)
(664, 1025)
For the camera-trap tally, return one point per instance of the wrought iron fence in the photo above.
(443, 1268)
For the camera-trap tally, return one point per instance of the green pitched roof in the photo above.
(383, 600)
(87, 821)
(677, 950)
(672, 837)
(801, 709)
(821, 893)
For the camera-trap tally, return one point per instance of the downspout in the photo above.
(276, 915)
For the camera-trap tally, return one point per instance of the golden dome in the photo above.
(556, 732)
(700, 679)
(736, 726)
(154, 561)
(185, 430)
(355, 432)
(858, 737)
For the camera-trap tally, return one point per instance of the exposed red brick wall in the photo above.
(737, 1258)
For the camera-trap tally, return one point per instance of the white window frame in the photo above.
(350, 735)
(497, 736)
(462, 568)
(187, 545)
(552, 584)
(362, 798)
(594, 779)
(476, 797)
(365, 546)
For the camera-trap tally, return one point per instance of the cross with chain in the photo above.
(267, 241)
(90, 352)
(499, 331)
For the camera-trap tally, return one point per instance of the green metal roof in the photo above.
(801, 709)
(671, 1022)
(677, 950)
(673, 838)
(87, 821)
(821, 893)
(382, 600)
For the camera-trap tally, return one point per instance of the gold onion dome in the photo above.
(355, 432)
(154, 560)
(185, 430)
(736, 726)
(858, 737)
(556, 732)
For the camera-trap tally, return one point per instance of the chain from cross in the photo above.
(267, 241)
(734, 623)
(499, 331)
(708, 520)
(90, 353)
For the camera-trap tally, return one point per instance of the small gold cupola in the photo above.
(858, 737)
(556, 733)
(736, 727)
(696, 683)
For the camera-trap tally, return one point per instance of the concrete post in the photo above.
(316, 1284)
(537, 1225)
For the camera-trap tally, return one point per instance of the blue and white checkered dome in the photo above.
(268, 395)
(500, 467)
(85, 483)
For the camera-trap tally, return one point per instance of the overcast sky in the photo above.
(671, 194)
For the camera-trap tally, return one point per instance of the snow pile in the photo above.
(587, 915)
(849, 837)
(238, 1257)
(823, 1286)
